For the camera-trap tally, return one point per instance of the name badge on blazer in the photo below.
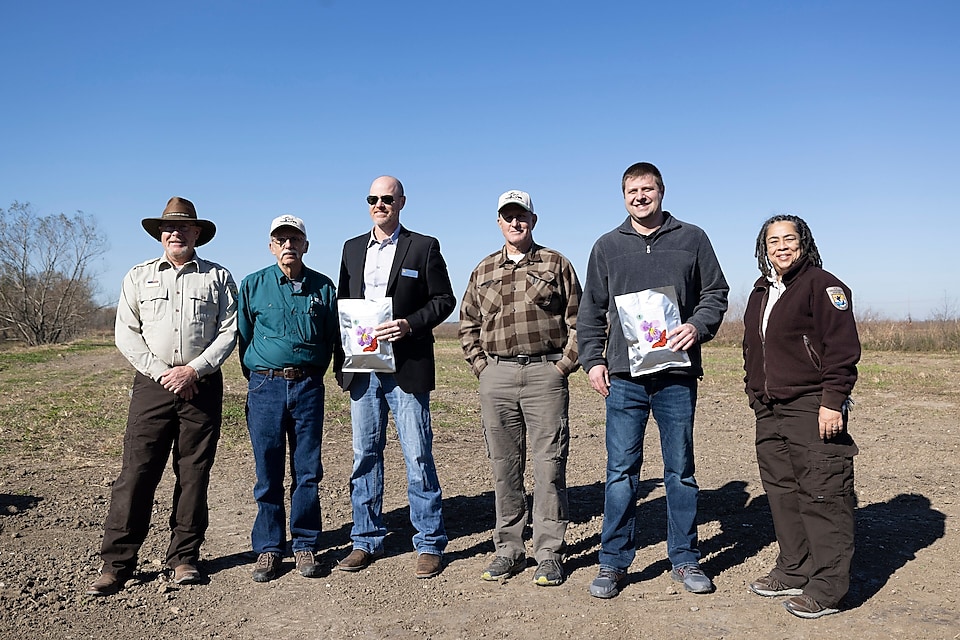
(409, 273)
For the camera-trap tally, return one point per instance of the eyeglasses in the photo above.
(785, 241)
(282, 240)
(372, 200)
(182, 228)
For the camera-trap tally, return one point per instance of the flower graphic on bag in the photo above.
(365, 338)
(653, 333)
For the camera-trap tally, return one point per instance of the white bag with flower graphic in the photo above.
(646, 318)
(362, 352)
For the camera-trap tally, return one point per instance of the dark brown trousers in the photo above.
(158, 422)
(809, 483)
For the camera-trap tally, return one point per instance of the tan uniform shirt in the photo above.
(168, 317)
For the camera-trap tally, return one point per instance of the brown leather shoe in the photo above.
(106, 585)
(186, 574)
(357, 560)
(768, 586)
(428, 565)
(803, 606)
(307, 564)
(267, 567)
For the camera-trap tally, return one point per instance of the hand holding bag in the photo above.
(363, 353)
(646, 318)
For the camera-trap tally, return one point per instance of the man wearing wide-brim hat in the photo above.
(177, 211)
(176, 324)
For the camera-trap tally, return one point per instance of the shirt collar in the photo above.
(391, 240)
(282, 277)
(532, 255)
(166, 264)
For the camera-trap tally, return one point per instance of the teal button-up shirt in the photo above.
(280, 327)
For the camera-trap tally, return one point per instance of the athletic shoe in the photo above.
(768, 586)
(693, 578)
(607, 583)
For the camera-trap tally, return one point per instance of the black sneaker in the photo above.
(268, 565)
(549, 574)
(503, 567)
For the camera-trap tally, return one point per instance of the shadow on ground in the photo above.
(13, 504)
(889, 534)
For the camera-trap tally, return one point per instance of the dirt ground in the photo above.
(904, 576)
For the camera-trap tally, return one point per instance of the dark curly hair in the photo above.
(808, 247)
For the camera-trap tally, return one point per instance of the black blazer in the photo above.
(420, 287)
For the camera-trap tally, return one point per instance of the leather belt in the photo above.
(290, 373)
(525, 360)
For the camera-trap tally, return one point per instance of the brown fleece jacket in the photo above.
(811, 343)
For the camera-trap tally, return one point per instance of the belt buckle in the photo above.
(523, 360)
(290, 373)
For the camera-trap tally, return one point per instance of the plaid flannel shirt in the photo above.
(525, 308)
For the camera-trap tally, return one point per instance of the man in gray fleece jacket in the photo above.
(650, 250)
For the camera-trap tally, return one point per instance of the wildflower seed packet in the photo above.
(363, 353)
(646, 318)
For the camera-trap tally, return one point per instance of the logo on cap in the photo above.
(515, 196)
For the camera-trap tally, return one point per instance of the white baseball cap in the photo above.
(521, 198)
(288, 221)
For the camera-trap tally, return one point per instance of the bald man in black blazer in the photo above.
(392, 261)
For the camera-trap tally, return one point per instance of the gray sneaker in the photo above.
(503, 567)
(607, 583)
(549, 574)
(693, 578)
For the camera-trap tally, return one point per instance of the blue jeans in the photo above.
(280, 413)
(371, 395)
(673, 400)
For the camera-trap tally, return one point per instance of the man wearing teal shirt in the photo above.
(288, 331)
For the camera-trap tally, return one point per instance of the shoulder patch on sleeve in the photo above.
(838, 298)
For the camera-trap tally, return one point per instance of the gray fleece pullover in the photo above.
(623, 261)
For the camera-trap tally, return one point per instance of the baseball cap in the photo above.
(288, 221)
(521, 198)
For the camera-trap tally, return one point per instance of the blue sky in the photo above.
(845, 113)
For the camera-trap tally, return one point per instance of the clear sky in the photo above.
(845, 113)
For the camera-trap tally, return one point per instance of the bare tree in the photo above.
(47, 273)
(946, 312)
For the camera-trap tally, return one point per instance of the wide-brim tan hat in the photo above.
(180, 210)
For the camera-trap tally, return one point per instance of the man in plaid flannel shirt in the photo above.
(518, 330)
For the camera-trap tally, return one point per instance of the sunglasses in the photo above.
(170, 228)
(372, 200)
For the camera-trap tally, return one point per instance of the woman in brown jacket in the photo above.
(800, 350)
